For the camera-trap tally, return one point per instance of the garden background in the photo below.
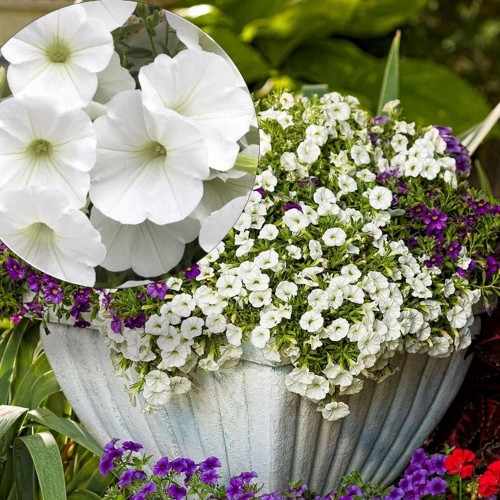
(450, 75)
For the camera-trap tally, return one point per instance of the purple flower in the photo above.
(373, 137)
(233, 491)
(161, 467)
(490, 266)
(209, 476)
(354, 490)
(291, 205)
(53, 293)
(395, 494)
(149, 487)
(403, 188)
(246, 477)
(346, 497)
(419, 211)
(210, 463)
(437, 464)
(176, 491)
(157, 290)
(436, 486)
(412, 242)
(192, 272)
(126, 478)
(137, 321)
(387, 174)
(435, 261)
(481, 207)
(419, 477)
(260, 191)
(35, 307)
(380, 120)
(435, 219)
(116, 324)
(453, 249)
(34, 281)
(179, 465)
(15, 269)
(81, 323)
(106, 465)
(131, 446)
(418, 457)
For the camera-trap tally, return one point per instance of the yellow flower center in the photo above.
(40, 147)
(58, 52)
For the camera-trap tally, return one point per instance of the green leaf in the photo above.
(11, 420)
(13, 340)
(38, 454)
(390, 83)
(250, 63)
(88, 477)
(84, 495)
(475, 136)
(4, 86)
(484, 182)
(66, 427)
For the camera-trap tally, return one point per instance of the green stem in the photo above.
(151, 41)
(460, 488)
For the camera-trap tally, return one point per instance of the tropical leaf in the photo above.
(11, 420)
(66, 427)
(390, 83)
(38, 456)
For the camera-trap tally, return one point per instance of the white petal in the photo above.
(113, 13)
(129, 183)
(150, 250)
(215, 227)
(65, 245)
(202, 87)
(72, 139)
(114, 79)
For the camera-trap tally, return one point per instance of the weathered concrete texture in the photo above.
(247, 418)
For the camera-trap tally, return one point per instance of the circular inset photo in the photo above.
(128, 144)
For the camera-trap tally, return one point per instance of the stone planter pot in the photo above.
(247, 418)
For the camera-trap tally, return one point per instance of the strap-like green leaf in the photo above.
(390, 83)
(473, 137)
(38, 454)
(84, 495)
(66, 427)
(11, 420)
(13, 340)
(484, 182)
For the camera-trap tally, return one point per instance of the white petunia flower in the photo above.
(346, 184)
(259, 336)
(335, 411)
(294, 252)
(308, 151)
(287, 100)
(265, 143)
(334, 237)
(228, 286)
(268, 232)
(317, 389)
(260, 298)
(62, 50)
(44, 146)
(192, 327)
(338, 111)
(295, 220)
(156, 325)
(457, 316)
(318, 299)
(201, 87)
(40, 225)
(286, 290)
(149, 165)
(180, 385)
(360, 155)
(317, 133)
(337, 329)
(311, 321)
(380, 198)
(234, 335)
(268, 259)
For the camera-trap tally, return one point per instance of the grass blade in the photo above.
(475, 136)
(38, 454)
(11, 420)
(484, 181)
(390, 83)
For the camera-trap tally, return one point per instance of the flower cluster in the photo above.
(427, 476)
(122, 167)
(361, 240)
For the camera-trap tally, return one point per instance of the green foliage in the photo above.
(390, 83)
(288, 43)
(43, 453)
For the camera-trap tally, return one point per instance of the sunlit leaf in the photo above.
(390, 83)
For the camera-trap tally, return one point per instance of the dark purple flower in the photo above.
(192, 272)
(176, 491)
(116, 324)
(405, 484)
(126, 478)
(436, 486)
(260, 191)
(15, 269)
(435, 219)
(481, 207)
(34, 281)
(402, 188)
(179, 465)
(210, 463)
(291, 205)
(434, 261)
(380, 120)
(490, 266)
(53, 293)
(395, 494)
(419, 211)
(233, 491)
(453, 249)
(246, 477)
(35, 307)
(157, 290)
(149, 487)
(137, 321)
(209, 476)
(346, 497)
(106, 465)
(190, 466)
(131, 446)
(373, 137)
(81, 323)
(387, 174)
(412, 242)
(437, 464)
(161, 467)
(354, 490)
(17, 318)
(419, 476)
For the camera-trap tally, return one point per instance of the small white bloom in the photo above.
(317, 389)
(334, 237)
(216, 323)
(180, 385)
(259, 336)
(234, 334)
(287, 100)
(229, 286)
(360, 155)
(311, 321)
(337, 329)
(286, 290)
(308, 151)
(268, 232)
(380, 198)
(294, 251)
(267, 260)
(457, 316)
(317, 133)
(335, 411)
(315, 250)
(295, 220)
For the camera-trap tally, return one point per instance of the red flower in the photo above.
(489, 482)
(460, 462)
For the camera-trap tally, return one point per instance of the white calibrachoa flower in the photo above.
(330, 268)
(44, 146)
(62, 50)
(150, 166)
(40, 224)
(201, 87)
